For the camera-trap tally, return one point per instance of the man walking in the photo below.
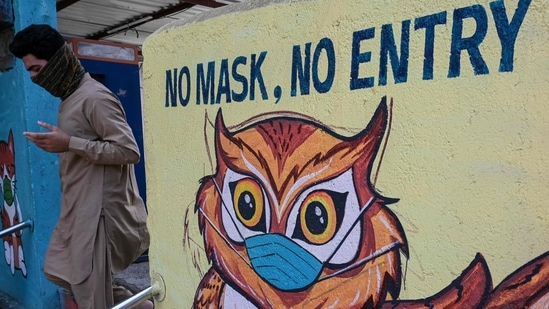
(102, 225)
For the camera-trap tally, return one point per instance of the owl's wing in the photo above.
(527, 287)
(467, 291)
(210, 291)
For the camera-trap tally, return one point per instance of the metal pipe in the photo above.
(136, 299)
(16, 228)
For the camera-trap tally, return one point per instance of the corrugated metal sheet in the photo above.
(121, 20)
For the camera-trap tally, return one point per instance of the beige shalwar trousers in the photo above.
(98, 290)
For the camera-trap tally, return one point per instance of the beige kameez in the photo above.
(97, 178)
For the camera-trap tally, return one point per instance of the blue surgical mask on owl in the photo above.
(281, 262)
(289, 267)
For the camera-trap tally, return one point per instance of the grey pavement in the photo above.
(136, 278)
(6, 302)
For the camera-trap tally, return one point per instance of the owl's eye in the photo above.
(248, 203)
(320, 216)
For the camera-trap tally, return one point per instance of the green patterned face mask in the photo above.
(8, 192)
(62, 74)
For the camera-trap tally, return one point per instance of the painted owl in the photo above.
(291, 218)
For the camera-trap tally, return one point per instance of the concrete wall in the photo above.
(37, 197)
(272, 96)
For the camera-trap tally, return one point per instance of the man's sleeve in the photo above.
(116, 143)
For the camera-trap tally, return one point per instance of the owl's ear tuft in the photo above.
(378, 123)
(220, 127)
(368, 141)
(224, 142)
(219, 122)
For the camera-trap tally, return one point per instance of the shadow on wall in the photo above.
(6, 36)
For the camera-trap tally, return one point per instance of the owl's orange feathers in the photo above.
(286, 156)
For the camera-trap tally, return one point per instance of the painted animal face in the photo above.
(7, 169)
(291, 217)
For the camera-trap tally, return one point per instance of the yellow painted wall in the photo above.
(466, 155)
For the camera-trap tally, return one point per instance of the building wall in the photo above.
(454, 159)
(22, 104)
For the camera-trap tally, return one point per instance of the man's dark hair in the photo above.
(42, 41)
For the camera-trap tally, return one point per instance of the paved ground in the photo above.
(7, 302)
(136, 278)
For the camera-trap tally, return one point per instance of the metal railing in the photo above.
(136, 299)
(16, 228)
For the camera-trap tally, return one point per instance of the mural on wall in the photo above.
(291, 218)
(293, 198)
(11, 211)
